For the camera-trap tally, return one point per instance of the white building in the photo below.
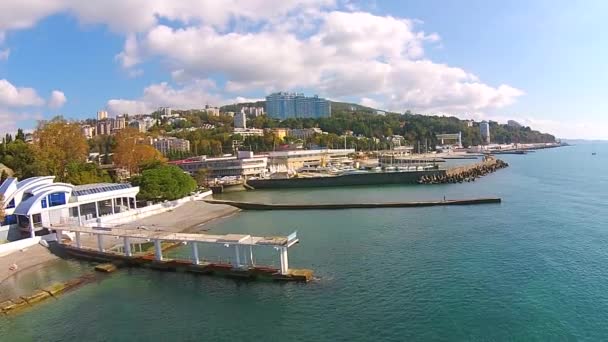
(212, 111)
(240, 120)
(304, 133)
(102, 115)
(38, 202)
(484, 130)
(88, 131)
(168, 144)
(248, 132)
(165, 112)
(245, 164)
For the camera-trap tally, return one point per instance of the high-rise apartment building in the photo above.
(484, 130)
(102, 115)
(296, 105)
(240, 120)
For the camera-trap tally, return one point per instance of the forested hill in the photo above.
(365, 121)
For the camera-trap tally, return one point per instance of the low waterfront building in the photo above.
(169, 144)
(451, 139)
(38, 202)
(293, 160)
(244, 164)
(247, 132)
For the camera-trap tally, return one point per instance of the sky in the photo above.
(542, 63)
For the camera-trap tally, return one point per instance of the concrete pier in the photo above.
(241, 266)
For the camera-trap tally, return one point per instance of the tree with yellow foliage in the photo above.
(57, 143)
(132, 151)
(1, 209)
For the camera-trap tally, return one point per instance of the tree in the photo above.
(86, 173)
(132, 152)
(201, 176)
(166, 182)
(58, 143)
(20, 135)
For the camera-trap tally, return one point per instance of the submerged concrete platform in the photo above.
(184, 265)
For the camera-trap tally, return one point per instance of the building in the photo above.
(246, 132)
(470, 123)
(304, 133)
(280, 133)
(454, 139)
(295, 105)
(104, 127)
(38, 202)
(171, 144)
(230, 114)
(484, 130)
(240, 120)
(102, 115)
(120, 122)
(165, 112)
(245, 164)
(253, 111)
(212, 111)
(293, 160)
(88, 131)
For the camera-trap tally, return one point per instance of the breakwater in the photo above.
(466, 173)
(267, 206)
(371, 178)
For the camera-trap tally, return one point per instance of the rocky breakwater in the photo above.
(466, 173)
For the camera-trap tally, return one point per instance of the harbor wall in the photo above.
(411, 177)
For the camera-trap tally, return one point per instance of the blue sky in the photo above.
(540, 62)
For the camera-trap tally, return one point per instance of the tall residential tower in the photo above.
(296, 105)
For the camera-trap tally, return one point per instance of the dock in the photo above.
(242, 265)
(317, 206)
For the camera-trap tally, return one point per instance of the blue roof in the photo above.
(89, 189)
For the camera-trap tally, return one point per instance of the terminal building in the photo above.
(293, 160)
(38, 202)
(244, 164)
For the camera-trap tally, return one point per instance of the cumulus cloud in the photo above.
(328, 46)
(195, 94)
(12, 96)
(57, 99)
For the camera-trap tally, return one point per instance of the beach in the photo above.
(187, 217)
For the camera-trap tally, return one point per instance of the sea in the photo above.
(533, 268)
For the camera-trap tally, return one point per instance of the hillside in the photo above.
(364, 121)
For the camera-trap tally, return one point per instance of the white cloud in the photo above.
(195, 94)
(57, 99)
(11, 96)
(326, 45)
(4, 54)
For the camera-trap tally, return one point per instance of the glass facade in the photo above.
(296, 105)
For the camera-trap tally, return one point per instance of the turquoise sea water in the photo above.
(531, 268)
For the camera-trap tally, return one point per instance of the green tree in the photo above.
(1, 209)
(201, 176)
(86, 173)
(20, 135)
(165, 182)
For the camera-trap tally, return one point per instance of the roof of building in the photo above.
(89, 189)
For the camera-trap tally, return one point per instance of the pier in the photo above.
(242, 265)
(268, 206)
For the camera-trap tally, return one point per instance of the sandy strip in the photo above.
(185, 218)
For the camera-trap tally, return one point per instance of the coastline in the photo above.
(184, 218)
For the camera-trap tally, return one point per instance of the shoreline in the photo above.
(190, 215)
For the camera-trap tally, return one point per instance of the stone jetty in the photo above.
(466, 173)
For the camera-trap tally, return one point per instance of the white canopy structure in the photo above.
(38, 202)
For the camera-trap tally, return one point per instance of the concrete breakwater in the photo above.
(266, 206)
(23, 302)
(466, 173)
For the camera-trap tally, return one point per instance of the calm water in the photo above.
(531, 268)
